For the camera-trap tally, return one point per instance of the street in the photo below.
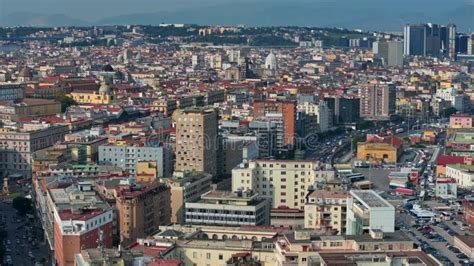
(24, 243)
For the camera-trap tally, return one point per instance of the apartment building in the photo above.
(287, 109)
(284, 182)
(142, 209)
(128, 155)
(326, 210)
(307, 247)
(228, 208)
(377, 100)
(17, 145)
(186, 187)
(74, 218)
(196, 140)
(12, 91)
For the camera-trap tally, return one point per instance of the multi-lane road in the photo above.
(24, 245)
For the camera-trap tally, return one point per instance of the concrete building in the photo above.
(390, 52)
(197, 141)
(414, 40)
(309, 247)
(128, 155)
(285, 183)
(147, 172)
(378, 149)
(326, 211)
(186, 187)
(229, 209)
(287, 109)
(142, 209)
(80, 220)
(461, 121)
(343, 110)
(319, 110)
(446, 188)
(377, 100)
(367, 211)
(451, 95)
(462, 173)
(18, 145)
(12, 91)
(29, 107)
(287, 218)
(103, 96)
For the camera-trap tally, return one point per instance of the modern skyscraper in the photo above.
(414, 40)
(391, 52)
(451, 31)
(344, 111)
(196, 141)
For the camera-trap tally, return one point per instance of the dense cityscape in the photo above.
(184, 144)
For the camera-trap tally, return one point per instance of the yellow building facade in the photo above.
(376, 152)
(147, 171)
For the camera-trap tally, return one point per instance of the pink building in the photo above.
(460, 121)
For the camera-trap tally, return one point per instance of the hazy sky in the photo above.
(263, 12)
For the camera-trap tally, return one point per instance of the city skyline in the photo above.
(365, 14)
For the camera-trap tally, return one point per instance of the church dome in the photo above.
(104, 88)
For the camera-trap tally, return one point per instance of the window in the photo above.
(221, 257)
(208, 256)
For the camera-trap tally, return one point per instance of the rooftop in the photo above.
(370, 199)
(329, 194)
(463, 137)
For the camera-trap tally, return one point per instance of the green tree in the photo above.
(65, 101)
(22, 205)
(449, 111)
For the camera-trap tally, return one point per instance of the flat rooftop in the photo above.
(370, 199)
(463, 137)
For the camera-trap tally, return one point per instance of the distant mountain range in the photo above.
(364, 14)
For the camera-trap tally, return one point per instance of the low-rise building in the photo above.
(17, 146)
(326, 210)
(367, 211)
(462, 173)
(287, 217)
(446, 188)
(229, 209)
(29, 108)
(379, 149)
(186, 187)
(12, 91)
(461, 121)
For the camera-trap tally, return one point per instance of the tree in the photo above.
(65, 101)
(449, 111)
(22, 205)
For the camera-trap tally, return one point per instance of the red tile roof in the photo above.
(444, 160)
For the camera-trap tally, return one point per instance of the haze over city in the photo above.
(237, 133)
(385, 15)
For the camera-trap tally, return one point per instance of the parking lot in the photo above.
(435, 238)
(24, 244)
